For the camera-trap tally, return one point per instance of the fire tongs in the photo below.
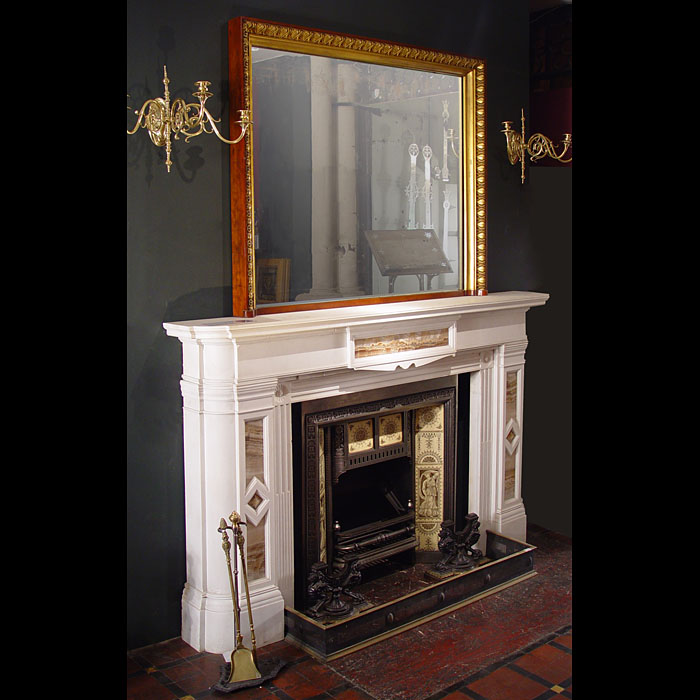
(244, 670)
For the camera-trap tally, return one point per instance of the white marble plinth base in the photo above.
(208, 622)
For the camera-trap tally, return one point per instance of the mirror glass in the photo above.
(357, 178)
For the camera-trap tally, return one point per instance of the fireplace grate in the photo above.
(376, 543)
(377, 456)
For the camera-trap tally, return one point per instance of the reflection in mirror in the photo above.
(366, 194)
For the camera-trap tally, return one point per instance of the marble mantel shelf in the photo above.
(320, 319)
(240, 379)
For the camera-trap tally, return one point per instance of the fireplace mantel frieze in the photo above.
(240, 379)
(327, 339)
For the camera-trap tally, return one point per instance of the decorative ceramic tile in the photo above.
(390, 429)
(429, 418)
(360, 436)
(322, 492)
(429, 474)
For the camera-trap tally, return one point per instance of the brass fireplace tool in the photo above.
(244, 670)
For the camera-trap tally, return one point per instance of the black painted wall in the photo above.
(178, 253)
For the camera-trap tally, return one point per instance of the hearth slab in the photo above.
(506, 563)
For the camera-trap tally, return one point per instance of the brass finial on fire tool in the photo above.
(243, 666)
(244, 670)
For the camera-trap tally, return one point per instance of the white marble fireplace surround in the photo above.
(238, 370)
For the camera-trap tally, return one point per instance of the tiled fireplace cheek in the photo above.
(239, 381)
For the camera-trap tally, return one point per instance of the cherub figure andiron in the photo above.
(325, 588)
(457, 548)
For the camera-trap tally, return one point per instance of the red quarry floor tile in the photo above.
(283, 651)
(352, 694)
(145, 687)
(197, 683)
(547, 662)
(182, 672)
(321, 675)
(208, 664)
(296, 685)
(288, 677)
(565, 640)
(506, 684)
(131, 666)
(261, 693)
(166, 652)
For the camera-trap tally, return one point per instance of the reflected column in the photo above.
(347, 181)
(323, 181)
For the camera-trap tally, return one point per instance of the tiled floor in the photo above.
(514, 645)
(174, 670)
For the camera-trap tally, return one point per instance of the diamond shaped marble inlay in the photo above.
(255, 501)
(512, 436)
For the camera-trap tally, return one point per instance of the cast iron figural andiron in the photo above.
(325, 588)
(457, 547)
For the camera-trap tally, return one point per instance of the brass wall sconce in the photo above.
(164, 120)
(537, 146)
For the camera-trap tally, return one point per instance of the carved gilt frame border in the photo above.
(244, 32)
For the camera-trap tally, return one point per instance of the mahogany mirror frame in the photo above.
(245, 32)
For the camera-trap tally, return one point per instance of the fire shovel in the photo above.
(243, 661)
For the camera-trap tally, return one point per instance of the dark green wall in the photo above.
(178, 253)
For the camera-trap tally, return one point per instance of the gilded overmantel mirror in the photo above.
(363, 177)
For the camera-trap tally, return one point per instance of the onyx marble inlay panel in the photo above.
(257, 501)
(512, 434)
(403, 342)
